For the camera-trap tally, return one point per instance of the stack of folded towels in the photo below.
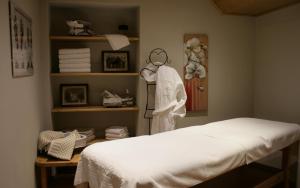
(116, 132)
(75, 60)
(88, 132)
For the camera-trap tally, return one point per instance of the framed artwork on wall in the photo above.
(74, 94)
(196, 72)
(115, 61)
(21, 41)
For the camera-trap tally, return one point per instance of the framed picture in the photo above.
(21, 41)
(115, 61)
(196, 72)
(74, 94)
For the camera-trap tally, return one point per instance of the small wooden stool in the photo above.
(44, 162)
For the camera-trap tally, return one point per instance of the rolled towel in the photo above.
(72, 61)
(74, 51)
(75, 70)
(74, 56)
(117, 41)
(75, 65)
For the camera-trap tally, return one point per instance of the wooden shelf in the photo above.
(93, 109)
(86, 38)
(93, 74)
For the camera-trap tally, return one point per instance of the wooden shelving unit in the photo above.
(87, 38)
(94, 74)
(94, 109)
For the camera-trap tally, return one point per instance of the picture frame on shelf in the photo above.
(74, 94)
(115, 61)
(20, 41)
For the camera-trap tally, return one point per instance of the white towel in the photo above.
(75, 70)
(81, 60)
(117, 41)
(46, 137)
(74, 56)
(116, 130)
(123, 135)
(108, 138)
(74, 51)
(75, 65)
(62, 148)
(113, 138)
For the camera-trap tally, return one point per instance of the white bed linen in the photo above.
(184, 157)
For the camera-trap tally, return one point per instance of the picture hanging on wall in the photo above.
(21, 41)
(196, 72)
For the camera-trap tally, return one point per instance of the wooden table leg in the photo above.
(286, 160)
(44, 177)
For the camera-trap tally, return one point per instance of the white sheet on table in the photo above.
(184, 157)
(260, 137)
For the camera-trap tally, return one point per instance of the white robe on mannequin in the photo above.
(170, 98)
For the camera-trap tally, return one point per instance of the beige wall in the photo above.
(230, 59)
(23, 111)
(277, 69)
(277, 65)
(231, 52)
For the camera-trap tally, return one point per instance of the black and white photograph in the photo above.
(115, 61)
(74, 94)
(21, 41)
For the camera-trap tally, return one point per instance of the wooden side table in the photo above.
(44, 162)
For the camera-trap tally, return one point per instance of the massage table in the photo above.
(185, 157)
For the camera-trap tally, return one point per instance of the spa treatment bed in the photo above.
(185, 157)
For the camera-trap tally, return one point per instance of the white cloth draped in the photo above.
(117, 41)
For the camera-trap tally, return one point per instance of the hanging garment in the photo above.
(170, 98)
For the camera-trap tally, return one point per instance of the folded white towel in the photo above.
(74, 56)
(116, 130)
(81, 60)
(75, 70)
(117, 41)
(110, 138)
(74, 51)
(123, 135)
(74, 65)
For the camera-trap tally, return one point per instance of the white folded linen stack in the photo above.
(116, 132)
(89, 133)
(74, 60)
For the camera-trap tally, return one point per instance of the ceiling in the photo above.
(252, 7)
